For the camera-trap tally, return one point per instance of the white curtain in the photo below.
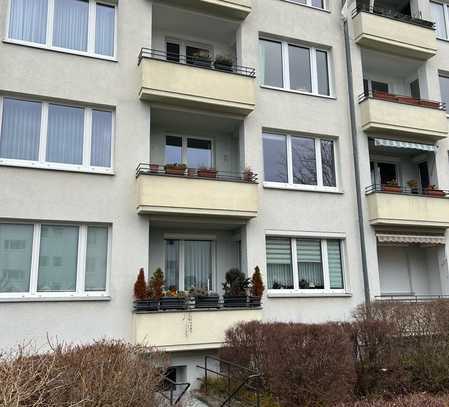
(96, 258)
(58, 258)
(20, 132)
(335, 267)
(171, 263)
(310, 271)
(16, 243)
(70, 28)
(65, 134)
(438, 16)
(28, 21)
(101, 138)
(197, 264)
(279, 263)
(104, 30)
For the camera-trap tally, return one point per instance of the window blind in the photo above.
(28, 20)
(279, 266)
(310, 270)
(335, 267)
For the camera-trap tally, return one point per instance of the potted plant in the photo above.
(235, 287)
(430, 103)
(257, 288)
(413, 185)
(191, 172)
(432, 190)
(206, 172)
(223, 63)
(154, 290)
(173, 299)
(384, 96)
(199, 60)
(204, 298)
(140, 292)
(248, 175)
(175, 169)
(391, 186)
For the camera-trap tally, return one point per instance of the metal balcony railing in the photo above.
(406, 100)
(198, 62)
(410, 298)
(392, 14)
(400, 189)
(197, 173)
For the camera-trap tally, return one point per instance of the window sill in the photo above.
(298, 294)
(55, 167)
(75, 298)
(306, 5)
(298, 92)
(60, 50)
(290, 187)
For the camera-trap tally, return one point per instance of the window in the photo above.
(188, 264)
(39, 260)
(194, 152)
(314, 265)
(298, 161)
(82, 26)
(295, 67)
(440, 15)
(312, 3)
(50, 135)
(444, 90)
(374, 86)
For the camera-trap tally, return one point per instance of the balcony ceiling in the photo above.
(378, 63)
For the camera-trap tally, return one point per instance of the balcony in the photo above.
(236, 9)
(400, 206)
(403, 116)
(196, 83)
(189, 329)
(182, 191)
(394, 33)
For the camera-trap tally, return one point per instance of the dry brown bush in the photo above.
(414, 400)
(106, 373)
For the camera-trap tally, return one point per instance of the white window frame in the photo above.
(313, 68)
(181, 238)
(378, 159)
(80, 292)
(319, 165)
(308, 3)
(41, 163)
(49, 31)
(446, 18)
(184, 147)
(324, 263)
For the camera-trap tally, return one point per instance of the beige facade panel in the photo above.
(199, 88)
(236, 9)
(189, 330)
(420, 122)
(407, 210)
(393, 36)
(188, 196)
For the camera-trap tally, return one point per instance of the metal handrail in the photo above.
(392, 14)
(158, 169)
(400, 189)
(403, 99)
(411, 298)
(245, 383)
(173, 386)
(199, 62)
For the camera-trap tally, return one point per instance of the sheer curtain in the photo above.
(16, 243)
(197, 264)
(28, 21)
(335, 267)
(70, 27)
(171, 263)
(20, 132)
(104, 30)
(58, 258)
(101, 138)
(65, 134)
(96, 258)
(279, 263)
(310, 269)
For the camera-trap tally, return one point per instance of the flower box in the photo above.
(168, 303)
(435, 192)
(255, 301)
(206, 301)
(391, 188)
(146, 305)
(235, 301)
(175, 169)
(154, 168)
(429, 103)
(207, 173)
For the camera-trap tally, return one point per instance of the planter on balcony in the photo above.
(254, 301)
(207, 173)
(384, 96)
(168, 303)
(235, 301)
(207, 301)
(434, 192)
(154, 168)
(391, 188)
(175, 169)
(408, 100)
(429, 103)
(146, 305)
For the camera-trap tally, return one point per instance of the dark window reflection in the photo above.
(199, 153)
(271, 56)
(300, 75)
(304, 161)
(328, 163)
(173, 150)
(323, 73)
(172, 51)
(275, 158)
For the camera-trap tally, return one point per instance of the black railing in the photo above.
(169, 390)
(410, 298)
(199, 173)
(236, 378)
(199, 62)
(393, 14)
(406, 100)
(407, 190)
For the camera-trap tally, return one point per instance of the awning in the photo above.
(408, 239)
(403, 144)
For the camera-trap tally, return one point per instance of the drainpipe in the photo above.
(355, 150)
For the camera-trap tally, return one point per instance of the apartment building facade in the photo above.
(250, 98)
